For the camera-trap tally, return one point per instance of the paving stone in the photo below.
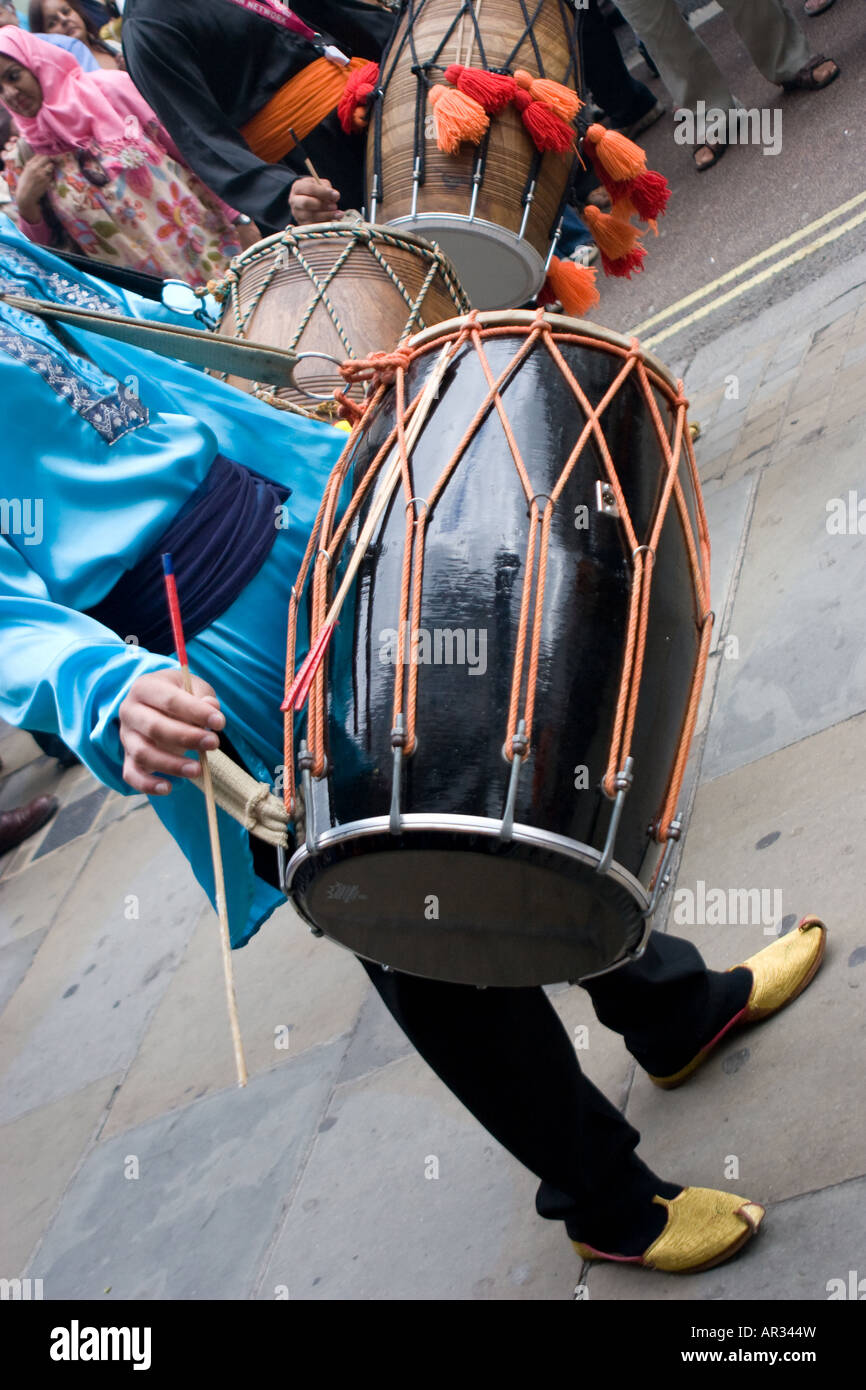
(802, 664)
(83, 1006)
(15, 961)
(365, 1222)
(376, 1041)
(802, 1246)
(38, 1155)
(285, 979)
(781, 1096)
(71, 821)
(30, 899)
(212, 1182)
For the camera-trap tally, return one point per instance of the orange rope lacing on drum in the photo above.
(381, 368)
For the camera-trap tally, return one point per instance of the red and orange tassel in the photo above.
(548, 130)
(558, 98)
(353, 109)
(617, 240)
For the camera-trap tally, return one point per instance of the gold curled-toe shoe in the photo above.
(780, 973)
(704, 1228)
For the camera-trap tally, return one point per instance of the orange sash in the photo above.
(302, 104)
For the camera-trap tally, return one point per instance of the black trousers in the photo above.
(620, 95)
(507, 1057)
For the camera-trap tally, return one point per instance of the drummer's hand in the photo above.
(159, 721)
(314, 200)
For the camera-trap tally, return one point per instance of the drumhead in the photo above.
(447, 900)
(496, 268)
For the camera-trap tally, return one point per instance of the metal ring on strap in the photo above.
(316, 395)
(413, 501)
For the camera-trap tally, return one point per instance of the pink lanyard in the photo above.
(278, 14)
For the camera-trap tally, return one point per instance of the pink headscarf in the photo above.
(77, 107)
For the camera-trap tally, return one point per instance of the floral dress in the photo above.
(130, 203)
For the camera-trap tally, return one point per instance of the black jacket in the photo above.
(208, 66)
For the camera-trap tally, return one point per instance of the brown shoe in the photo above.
(16, 826)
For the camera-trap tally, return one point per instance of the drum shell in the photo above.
(271, 298)
(512, 159)
(474, 569)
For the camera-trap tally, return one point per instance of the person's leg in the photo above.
(619, 95)
(668, 1005)
(687, 68)
(776, 42)
(507, 1057)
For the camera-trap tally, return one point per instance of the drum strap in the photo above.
(255, 361)
(252, 804)
(300, 105)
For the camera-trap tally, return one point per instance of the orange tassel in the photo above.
(492, 90)
(560, 99)
(457, 117)
(573, 285)
(352, 109)
(612, 236)
(620, 157)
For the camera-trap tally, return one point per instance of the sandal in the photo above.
(717, 149)
(806, 81)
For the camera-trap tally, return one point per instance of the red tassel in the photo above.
(352, 109)
(492, 90)
(624, 266)
(554, 95)
(549, 131)
(620, 157)
(457, 118)
(573, 285)
(649, 193)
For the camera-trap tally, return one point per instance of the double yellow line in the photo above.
(718, 300)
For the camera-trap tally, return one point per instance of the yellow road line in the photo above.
(739, 270)
(755, 280)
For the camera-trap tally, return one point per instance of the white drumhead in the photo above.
(496, 268)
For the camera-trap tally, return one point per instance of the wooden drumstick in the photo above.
(213, 828)
(304, 156)
(300, 687)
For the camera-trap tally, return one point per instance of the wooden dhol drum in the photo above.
(494, 209)
(331, 291)
(488, 787)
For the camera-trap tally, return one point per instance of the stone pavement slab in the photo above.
(367, 1223)
(783, 1097)
(15, 961)
(39, 1152)
(82, 1007)
(211, 1183)
(804, 1245)
(31, 899)
(292, 990)
(802, 658)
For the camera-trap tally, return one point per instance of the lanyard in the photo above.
(278, 14)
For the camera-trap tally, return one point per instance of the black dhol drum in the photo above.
(487, 788)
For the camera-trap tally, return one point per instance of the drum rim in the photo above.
(458, 823)
(311, 229)
(502, 318)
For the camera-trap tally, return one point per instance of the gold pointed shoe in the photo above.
(780, 973)
(704, 1228)
(783, 970)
